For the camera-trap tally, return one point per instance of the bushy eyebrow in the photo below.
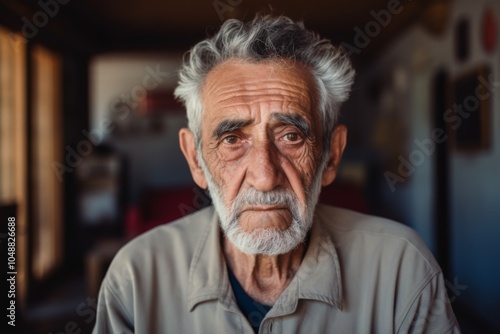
(295, 120)
(229, 125)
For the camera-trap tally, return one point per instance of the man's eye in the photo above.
(230, 139)
(291, 137)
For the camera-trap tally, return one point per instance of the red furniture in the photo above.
(160, 206)
(163, 205)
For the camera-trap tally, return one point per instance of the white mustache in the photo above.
(254, 197)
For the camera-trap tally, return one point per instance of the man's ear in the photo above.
(188, 147)
(337, 145)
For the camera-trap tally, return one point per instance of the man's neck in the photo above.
(263, 277)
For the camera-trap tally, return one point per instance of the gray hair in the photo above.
(268, 38)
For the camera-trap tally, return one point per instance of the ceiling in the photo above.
(160, 24)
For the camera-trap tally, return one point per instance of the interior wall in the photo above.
(119, 76)
(153, 160)
(473, 177)
(475, 181)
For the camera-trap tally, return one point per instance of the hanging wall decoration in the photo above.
(489, 31)
(462, 40)
(469, 120)
(436, 17)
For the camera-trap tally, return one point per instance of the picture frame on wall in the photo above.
(489, 31)
(469, 117)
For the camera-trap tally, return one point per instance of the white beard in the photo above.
(266, 241)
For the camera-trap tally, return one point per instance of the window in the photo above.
(46, 148)
(13, 136)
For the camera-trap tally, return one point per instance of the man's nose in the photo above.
(264, 172)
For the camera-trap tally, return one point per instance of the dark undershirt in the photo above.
(253, 311)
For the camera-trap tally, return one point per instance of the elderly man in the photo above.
(262, 101)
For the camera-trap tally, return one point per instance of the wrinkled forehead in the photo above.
(238, 86)
(272, 67)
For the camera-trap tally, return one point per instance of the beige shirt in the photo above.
(360, 274)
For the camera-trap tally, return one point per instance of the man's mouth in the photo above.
(265, 208)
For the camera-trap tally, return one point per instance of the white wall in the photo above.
(154, 160)
(112, 75)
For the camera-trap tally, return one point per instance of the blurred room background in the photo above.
(89, 154)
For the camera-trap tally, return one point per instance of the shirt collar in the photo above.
(318, 277)
(206, 272)
(319, 274)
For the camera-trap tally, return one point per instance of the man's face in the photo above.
(261, 151)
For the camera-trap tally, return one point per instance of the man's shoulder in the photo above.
(375, 235)
(178, 238)
(346, 220)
